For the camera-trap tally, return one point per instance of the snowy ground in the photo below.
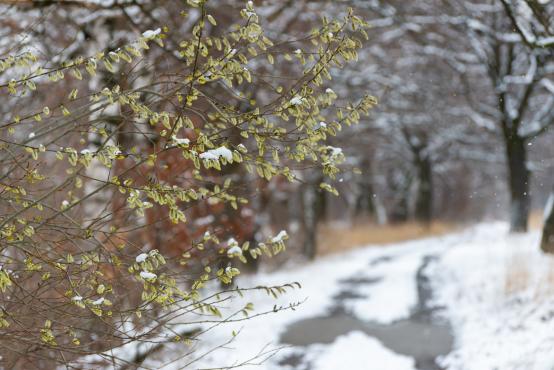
(499, 294)
(495, 289)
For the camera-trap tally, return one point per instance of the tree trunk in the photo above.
(423, 211)
(314, 203)
(309, 222)
(260, 205)
(399, 184)
(518, 180)
(547, 240)
(365, 205)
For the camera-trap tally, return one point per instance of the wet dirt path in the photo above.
(421, 336)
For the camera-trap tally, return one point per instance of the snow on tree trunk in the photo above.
(547, 239)
(518, 179)
(380, 210)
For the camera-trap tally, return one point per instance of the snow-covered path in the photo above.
(362, 310)
(395, 308)
(368, 309)
(420, 336)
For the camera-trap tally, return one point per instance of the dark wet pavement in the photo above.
(421, 336)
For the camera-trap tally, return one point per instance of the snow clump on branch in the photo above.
(215, 154)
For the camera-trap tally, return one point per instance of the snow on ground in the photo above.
(320, 282)
(499, 297)
(390, 298)
(496, 289)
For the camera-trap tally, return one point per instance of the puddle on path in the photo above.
(421, 336)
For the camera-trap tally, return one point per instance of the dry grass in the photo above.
(535, 220)
(519, 268)
(518, 275)
(524, 273)
(334, 238)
